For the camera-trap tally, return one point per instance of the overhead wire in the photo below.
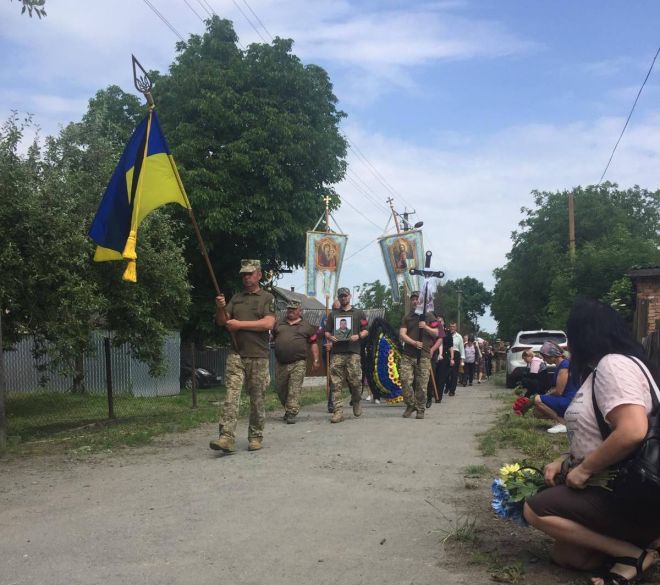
(165, 21)
(648, 74)
(193, 10)
(259, 20)
(353, 179)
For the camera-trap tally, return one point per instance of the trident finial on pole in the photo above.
(142, 82)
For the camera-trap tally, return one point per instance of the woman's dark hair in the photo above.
(470, 338)
(594, 330)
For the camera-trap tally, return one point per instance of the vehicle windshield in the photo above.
(540, 337)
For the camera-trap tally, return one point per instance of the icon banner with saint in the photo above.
(401, 252)
(323, 258)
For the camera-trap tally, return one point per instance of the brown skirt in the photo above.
(597, 509)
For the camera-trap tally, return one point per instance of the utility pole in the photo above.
(571, 227)
(458, 319)
(3, 417)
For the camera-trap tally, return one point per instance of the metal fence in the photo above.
(25, 374)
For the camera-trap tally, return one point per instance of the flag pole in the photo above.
(326, 199)
(143, 85)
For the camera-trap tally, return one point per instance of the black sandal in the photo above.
(612, 578)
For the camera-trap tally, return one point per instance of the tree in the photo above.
(375, 295)
(474, 300)
(615, 230)
(48, 284)
(255, 134)
(34, 6)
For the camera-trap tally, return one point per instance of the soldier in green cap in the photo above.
(345, 366)
(249, 315)
(415, 365)
(293, 335)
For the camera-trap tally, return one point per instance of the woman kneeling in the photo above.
(589, 524)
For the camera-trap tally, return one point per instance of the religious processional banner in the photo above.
(323, 258)
(401, 252)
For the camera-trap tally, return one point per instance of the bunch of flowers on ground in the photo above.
(514, 485)
(522, 405)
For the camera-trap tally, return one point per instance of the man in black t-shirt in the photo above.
(345, 366)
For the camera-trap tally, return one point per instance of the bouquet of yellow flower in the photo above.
(514, 485)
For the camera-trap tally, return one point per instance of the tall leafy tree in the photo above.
(615, 230)
(474, 301)
(256, 137)
(376, 295)
(48, 284)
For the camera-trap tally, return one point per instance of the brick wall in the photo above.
(649, 289)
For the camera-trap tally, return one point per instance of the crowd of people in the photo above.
(434, 361)
(607, 381)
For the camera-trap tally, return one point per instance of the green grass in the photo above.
(51, 422)
(523, 433)
(475, 471)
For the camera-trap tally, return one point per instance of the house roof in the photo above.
(643, 272)
(288, 295)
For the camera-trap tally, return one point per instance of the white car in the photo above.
(515, 365)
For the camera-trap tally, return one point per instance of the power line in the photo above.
(206, 6)
(193, 10)
(648, 74)
(376, 173)
(360, 213)
(167, 22)
(360, 250)
(259, 20)
(249, 21)
(366, 190)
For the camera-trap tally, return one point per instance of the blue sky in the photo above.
(462, 106)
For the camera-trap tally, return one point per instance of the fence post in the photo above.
(108, 377)
(3, 413)
(193, 377)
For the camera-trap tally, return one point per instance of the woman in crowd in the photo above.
(553, 404)
(588, 524)
(472, 358)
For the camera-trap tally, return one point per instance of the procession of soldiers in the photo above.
(429, 363)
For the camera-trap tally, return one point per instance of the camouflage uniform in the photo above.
(247, 364)
(415, 365)
(414, 380)
(289, 379)
(345, 370)
(254, 372)
(345, 362)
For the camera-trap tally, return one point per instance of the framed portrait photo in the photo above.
(343, 327)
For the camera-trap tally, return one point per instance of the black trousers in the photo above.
(441, 371)
(469, 373)
(452, 382)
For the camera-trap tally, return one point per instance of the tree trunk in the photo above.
(79, 375)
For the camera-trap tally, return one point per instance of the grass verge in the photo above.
(52, 423)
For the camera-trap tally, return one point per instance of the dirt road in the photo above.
(320, 504)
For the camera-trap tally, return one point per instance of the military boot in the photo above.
(357, 408)
(224, 443)
(290, 418)
(254, 444)
(420, 414)
(337, 416)
(409, 411)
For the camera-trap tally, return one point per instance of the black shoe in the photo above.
(438, 400)
(428, 403)
(331, 407)
(452, 394)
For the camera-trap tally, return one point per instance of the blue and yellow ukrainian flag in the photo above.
(145, 178)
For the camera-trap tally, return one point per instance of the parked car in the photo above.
(203, 377)
(515, 365)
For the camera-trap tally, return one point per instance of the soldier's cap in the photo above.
(414, 293)
(249, 266)
(293, 304)
(343, 291)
